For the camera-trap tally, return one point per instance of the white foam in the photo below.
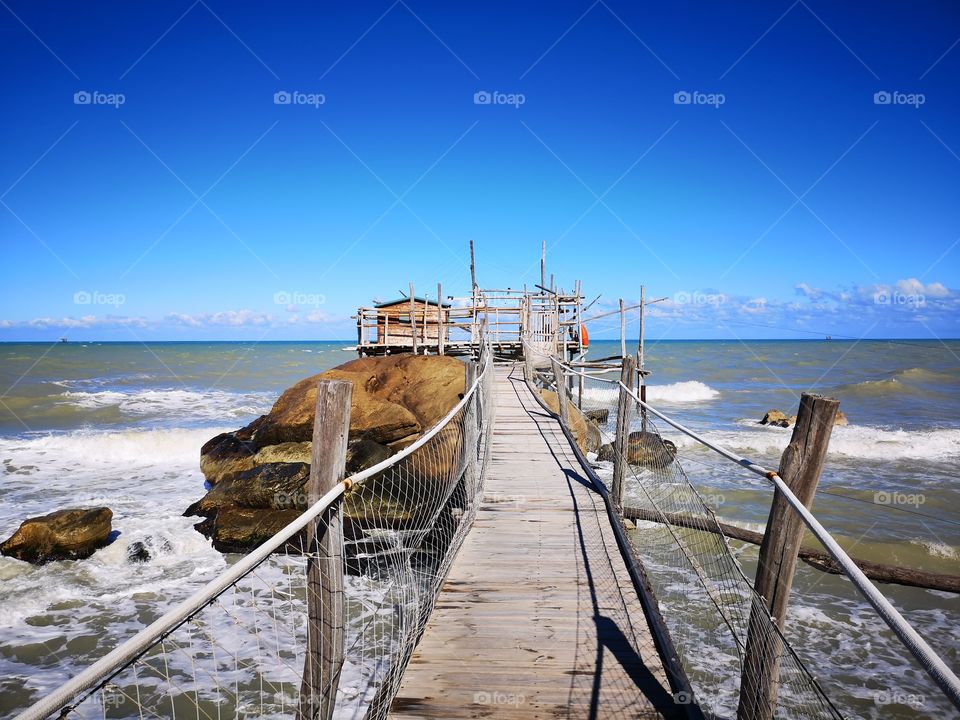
(688, 391)
(857, 441)
(207, 405)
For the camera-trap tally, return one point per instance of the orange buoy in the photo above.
(584, 335)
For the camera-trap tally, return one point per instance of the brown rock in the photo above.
(266, 464)
(643, 448)
(71, 534)
(775, 417)
(237, 529)
(586, 433)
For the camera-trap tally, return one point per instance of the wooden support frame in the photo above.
(800, 467)
(324, 545)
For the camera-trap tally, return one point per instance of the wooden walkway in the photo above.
(538, 618)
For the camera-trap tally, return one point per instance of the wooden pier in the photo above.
(538, 617)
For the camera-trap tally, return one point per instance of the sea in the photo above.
(121, 425)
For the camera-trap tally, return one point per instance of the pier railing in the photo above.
(719, 614)
(321, 619)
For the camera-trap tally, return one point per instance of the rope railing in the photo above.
(928, 658)
(693, 570)
(237, 647)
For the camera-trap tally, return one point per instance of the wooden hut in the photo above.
(396, 319)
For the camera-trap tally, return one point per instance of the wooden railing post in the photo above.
(561, 383)
(324, 545)
(628, 371)
(800, 468)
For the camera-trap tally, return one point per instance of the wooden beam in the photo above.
(880, 572)
(800, 467)
(324, 543)
(621, 442)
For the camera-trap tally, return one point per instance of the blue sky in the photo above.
(175, 198)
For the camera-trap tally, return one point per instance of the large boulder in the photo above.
(71, 534)
(646, 449)
(585, 432)
(265, 465)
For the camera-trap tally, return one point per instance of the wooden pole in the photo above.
(623, 330)
(628, 371)
(473, 268)
(640, 360)
(413, 321)
(441, 328)
(543, 265)
(814, 558)
(561, 384)
(324, 544)
(800, 468)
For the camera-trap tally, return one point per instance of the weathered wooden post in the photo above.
(800, 468)
(561, 384)
(413, 321)
(640, 360)
(324, 544)
(441, 328)
(628, 371)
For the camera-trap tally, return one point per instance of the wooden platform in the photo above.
(538, 618)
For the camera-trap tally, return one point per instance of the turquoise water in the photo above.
(121, 424)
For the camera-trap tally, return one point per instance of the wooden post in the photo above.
(324, 545)
(800, 468)
(543, 266)
(623, 331)
(386, 329)
(473, 269)
(640, 361)
(441, 329)
(628, 371)
(413, 321)
(561, 384)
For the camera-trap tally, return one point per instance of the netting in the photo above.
(706, 600)
(243, 652)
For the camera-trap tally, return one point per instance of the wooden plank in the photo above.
(537, 617)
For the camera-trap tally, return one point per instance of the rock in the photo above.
(71, 534)
(779, 419)
(265, 465)
(598, 416)
(237, 529)
(584, 432)
(775, 417)
(138, 552)
(643, 448)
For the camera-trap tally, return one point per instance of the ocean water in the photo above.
(121, 424)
